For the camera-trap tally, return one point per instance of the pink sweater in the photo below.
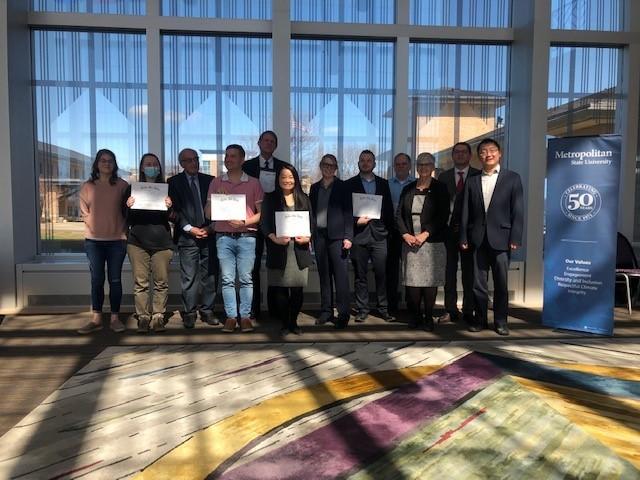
(101, 210)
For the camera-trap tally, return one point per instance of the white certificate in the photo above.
(149, 196)
(365, 205)
(292, 224)
(267, 181)
(228, 207)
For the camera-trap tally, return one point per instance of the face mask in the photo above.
(151, 172)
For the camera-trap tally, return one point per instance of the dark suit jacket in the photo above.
(377, 229)
(434, 215)
(252, 166)
(277, 254)
(503, 221)
(448, 177)
(339, 212)
(184, 212)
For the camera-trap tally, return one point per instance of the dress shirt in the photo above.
(262, 160)
(369, 185)
(488, 186)
(396, 186)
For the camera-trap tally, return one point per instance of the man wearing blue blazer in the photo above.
(370, 238)
(491, 225)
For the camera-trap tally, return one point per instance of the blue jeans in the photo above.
(236, 254)
(112, 252)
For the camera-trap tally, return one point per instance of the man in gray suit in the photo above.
(455, 179)
(492, 222)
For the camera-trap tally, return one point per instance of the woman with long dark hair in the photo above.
(101, 202)
(288, 259)
(150, 250)
(422, 216)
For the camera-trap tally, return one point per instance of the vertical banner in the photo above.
(581, 218)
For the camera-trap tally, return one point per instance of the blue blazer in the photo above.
(339, 212)
(184, 209)
(503, 222)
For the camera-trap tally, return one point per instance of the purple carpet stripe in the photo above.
(367, 433)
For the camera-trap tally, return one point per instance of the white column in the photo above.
(401, 98)
(281, 77)
(154, 79)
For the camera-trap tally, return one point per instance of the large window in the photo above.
(456, 93)
(461, 13)
(89, 93)
(116, 7)
(588, 14)
(342, 102)
(343, 11)
(216, 91)
(239, 9)
(584, 91)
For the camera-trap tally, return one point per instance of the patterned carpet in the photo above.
(339, 410)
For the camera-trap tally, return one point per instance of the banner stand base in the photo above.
(581, 333)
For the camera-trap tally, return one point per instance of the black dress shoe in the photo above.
(428, 324)
(468, 318)
(341, 322)
(387, 317)
(296, 330)
(324, 318)
(361, 317)
(414, 322)
(284, 331)
(210, 319)
(502, 329)
(474, 327)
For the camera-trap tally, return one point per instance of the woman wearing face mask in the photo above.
(150, 249)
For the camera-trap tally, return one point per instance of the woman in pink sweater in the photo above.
(102, 200)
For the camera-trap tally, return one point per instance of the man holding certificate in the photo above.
(234, 205)
(373, 219)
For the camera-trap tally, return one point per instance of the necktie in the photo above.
(460, 184)
(199, 217)
(266, 164)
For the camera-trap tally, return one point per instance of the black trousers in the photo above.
(287, 303)
(332, 269)
(485, 258)
(418, 295)
(394, 255)
(376, 250)
(451, 278)
(255, 277)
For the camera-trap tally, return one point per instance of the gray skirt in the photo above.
(291, 276)
(424, 266)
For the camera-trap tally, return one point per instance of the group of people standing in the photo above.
(423, 224)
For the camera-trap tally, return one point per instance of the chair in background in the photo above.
(627, 270)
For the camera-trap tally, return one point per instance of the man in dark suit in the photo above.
(331, 206)
(492, 222)
(455, 179)
(196, 248)
(266, 168)
(370, 238)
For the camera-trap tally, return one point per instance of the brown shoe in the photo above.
(246, 325)
(229, 325)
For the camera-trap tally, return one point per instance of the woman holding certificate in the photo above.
(105, 239)
(149, 245)
(286, 224)
(422, 215)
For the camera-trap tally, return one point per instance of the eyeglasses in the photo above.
(488, 151)
(190, 159)
(328, 165)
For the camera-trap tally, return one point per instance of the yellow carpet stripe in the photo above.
(209, 448)
(612, 420)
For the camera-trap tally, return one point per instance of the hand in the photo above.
(130, 202)
(346, 244)
(279, 240)
(236, 223)
(168, 202)
(464, 246)
(198, 232)
(363, 220)
(302, 240)
(409, 239)
(513, 246)
(421, 238)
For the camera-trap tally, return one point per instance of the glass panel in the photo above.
(216, 91)
(342, 103)
(117, 7)
(456, 93)
(240, 9)
(461, 13)
(90, 92)
(584, 91)
(588, 15)
(345, 11)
